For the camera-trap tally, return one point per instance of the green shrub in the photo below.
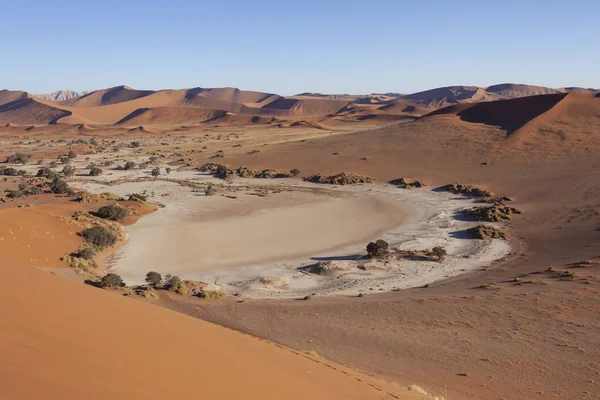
(47, 173)
(439, 252)
(138, 197)
(172, 282)
(95, 171)
(129, 165)
(155, 171)
(114, 212)
(86, 253)
(99, 236)
(9, 171)
(18, 158)
(68, 170)
(378, 249)
(72, 154)
(59, 186)
(111, 280)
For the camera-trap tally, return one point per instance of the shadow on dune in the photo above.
(464, 234)
(508, 115)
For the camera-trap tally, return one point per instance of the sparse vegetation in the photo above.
(339, 179)
(210, 190)
(47, 173)
(99, 236)
(211, 294)
(295, 172)
(466, 190)
(153, 278)
(439, 252)
(378, 249)
(172, 282)
(142, 198)
(68, 170)
(60, 186)
(129, 165)
(487, 232)
(111, 280)
(18, 158)
(95, 171)
(71, 155)
(155, 171)
(114, 212)
(86, 253)
(405, 184)
(495, 213)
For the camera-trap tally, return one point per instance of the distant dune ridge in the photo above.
(125, 106)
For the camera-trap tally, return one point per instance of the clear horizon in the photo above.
(326, 47)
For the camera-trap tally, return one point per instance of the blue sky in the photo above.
(289, 47)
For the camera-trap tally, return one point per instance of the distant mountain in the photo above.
(62, 95)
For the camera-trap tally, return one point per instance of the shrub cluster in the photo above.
(378, 249)
(111, 280)
(99, 236)
(95, 171)
(114, 212)
(18, 158)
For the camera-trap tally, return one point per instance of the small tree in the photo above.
(439, 252)
(129, 165)
(153, 278)
(378, 249)
(295, 172)
(156, 171)
(71, 155)
(114, 212)
(168, 170)
(111, 280)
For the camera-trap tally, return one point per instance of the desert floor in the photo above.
(508, 327)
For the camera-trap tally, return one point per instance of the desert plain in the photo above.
(263, 205)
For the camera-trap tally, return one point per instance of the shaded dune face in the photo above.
(512, 114)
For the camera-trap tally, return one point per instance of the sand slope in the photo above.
(91, 344)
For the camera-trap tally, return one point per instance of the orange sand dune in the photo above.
(37, 236)
(30, 111)
(63, 340)
(170, 115)
(8, 96)
(118, 94)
